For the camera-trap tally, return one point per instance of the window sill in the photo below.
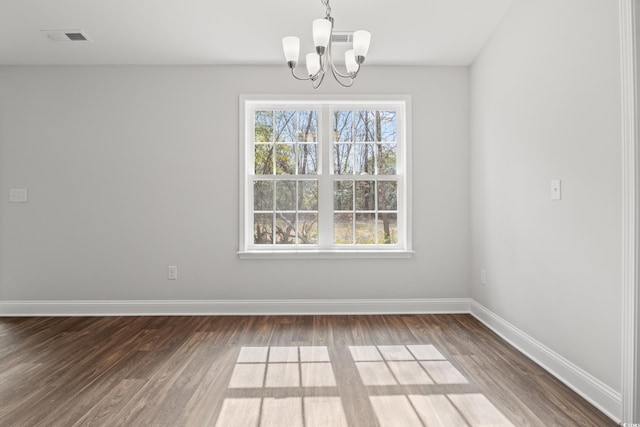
(326, 254)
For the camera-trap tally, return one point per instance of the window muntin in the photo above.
(325, 176)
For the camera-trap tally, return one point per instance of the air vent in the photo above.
(76, 37)
(66, 36)
(342, 37)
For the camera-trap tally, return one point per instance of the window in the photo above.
(324, 178)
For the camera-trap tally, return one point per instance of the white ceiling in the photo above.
(407, 32)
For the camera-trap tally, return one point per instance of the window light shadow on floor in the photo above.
(303, 370)
(404, 365)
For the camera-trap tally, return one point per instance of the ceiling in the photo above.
(404, 32)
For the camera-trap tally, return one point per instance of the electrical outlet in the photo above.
(483, 277)
(172, 272)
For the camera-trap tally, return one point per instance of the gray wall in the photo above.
(132, 169)
(545, 103)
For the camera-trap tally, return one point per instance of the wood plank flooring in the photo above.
(259, 371)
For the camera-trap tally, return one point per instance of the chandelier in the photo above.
(321, 61)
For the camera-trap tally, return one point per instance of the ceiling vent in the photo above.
(342, 37)
(66, 36)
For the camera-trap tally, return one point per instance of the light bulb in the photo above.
(361, 41)
(321, 34)
(291, 47)
(350, 61)
(313, 63)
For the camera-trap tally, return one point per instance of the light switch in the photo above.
(18, 195)
(556, 189)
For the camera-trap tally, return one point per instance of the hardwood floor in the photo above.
(307, 371)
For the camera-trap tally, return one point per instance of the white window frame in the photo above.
(248, 104)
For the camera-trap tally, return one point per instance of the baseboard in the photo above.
(593, 390)
(234, 307)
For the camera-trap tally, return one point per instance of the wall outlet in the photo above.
(483, 277)
(172, 272)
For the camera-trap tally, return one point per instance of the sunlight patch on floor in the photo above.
(297, 370)
(437, 410)
(278, 412)
(291, 366)
(404, 365)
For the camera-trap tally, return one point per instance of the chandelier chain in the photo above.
(325, 3)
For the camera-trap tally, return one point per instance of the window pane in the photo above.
(387, 195)
(285, 195)
(364, 126)
(365, 195)
(388, 127)
(285, 228)
(285, 159)
(263, 196)
(343, 195)
(365, 228)
(308, 195)
(342, 159)
(263, 131)
(387, 228)
(387, 159)
(307, 126)
(365, 159)
(342, 126)
(263, 229)
(307, 159)
(263, 159)
(375, 126)
(343, 228)
(285, 126)
(308, 228)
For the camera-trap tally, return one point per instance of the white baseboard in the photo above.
(593, 390)
(234, 307)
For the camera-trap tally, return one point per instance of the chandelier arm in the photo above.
(339, 78)
(316, 83)
(334, 70)
(327, 60)
(346, 76)
(293, 73)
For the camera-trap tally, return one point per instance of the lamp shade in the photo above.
(321, 32)
(291, 47)
(350, 61)
(361, 40)
(313, 63)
